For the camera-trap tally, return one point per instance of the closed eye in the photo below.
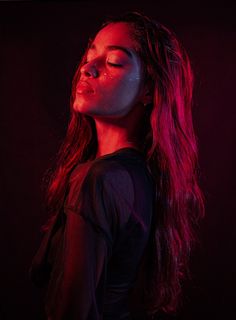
(110, 63)
(114, 64)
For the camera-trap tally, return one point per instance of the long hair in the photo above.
(171, 153)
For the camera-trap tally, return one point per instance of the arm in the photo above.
(91, 226)
(85, 260)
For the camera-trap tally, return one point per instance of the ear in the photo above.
(147, 94)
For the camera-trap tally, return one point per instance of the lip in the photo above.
(84, 87)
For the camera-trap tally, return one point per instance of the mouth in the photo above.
(84, 87)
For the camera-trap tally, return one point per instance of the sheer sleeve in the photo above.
(104, 204)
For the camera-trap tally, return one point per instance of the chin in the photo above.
(79, 107)
(84, 109)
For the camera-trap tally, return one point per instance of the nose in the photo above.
(89, 70)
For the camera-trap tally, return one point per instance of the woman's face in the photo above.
(111, 80)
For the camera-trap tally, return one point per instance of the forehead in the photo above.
(118, 33)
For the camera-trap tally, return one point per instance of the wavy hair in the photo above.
(171, 152)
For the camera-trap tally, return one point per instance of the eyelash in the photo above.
(111, 64)
(114, 65)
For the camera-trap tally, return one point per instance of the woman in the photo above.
(124, 195)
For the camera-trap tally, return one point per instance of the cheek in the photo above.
(123, 88)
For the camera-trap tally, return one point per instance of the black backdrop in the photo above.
(41, 44)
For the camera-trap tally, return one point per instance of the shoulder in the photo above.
(110, 169)
(111, 175)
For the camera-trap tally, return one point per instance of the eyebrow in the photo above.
(114, 47)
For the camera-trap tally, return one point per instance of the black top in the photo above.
(90, 257)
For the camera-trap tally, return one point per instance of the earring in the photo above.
(146, 104)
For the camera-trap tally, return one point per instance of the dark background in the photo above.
(41, 44)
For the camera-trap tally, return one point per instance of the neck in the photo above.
(114, 136)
